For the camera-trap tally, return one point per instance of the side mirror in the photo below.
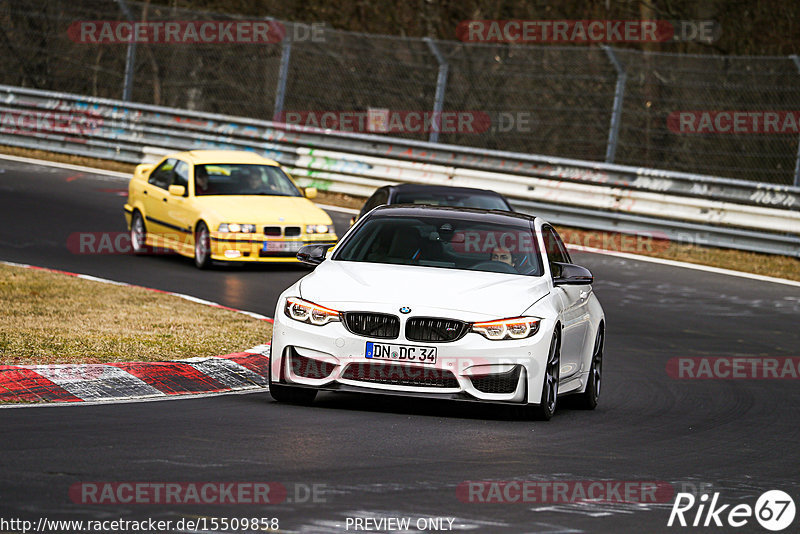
(310, 193)
(569, 274)
(177, 190)
(312, 254)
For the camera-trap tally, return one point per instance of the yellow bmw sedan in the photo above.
(223, 205)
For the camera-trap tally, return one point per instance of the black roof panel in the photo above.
(493, 216)
(412, 188)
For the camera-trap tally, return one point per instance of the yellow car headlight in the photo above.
(237, 228)
(319, 229)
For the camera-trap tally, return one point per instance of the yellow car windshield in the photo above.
(242, 179)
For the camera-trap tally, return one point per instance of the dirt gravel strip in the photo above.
(135, 380)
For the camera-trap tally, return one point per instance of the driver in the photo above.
(201, 181)
(503, 255)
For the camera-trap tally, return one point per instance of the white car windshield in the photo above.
(242, 179)
(445, 242)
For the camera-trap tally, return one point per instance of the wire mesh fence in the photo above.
(540, 99)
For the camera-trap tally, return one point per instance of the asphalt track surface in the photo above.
(385, 457)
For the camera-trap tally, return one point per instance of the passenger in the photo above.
(253, 180)
(255, 183)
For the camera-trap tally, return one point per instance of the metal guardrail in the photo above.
(683, 207)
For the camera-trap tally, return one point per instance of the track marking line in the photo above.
(67, 166)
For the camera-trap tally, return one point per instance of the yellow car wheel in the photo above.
(138, 234)
(202, 246)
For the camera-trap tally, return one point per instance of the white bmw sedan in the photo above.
(447, 303)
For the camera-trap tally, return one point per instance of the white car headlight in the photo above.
(236, 228)
(308, 312)
(319, 229)
(514, 328)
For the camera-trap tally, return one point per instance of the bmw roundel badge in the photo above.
(405, 309)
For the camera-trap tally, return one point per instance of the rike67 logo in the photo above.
(774, 510)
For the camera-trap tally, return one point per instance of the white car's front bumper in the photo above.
(331, 357)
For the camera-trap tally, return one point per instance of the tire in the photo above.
(138, 234)
(202, 246)
(291, 395)
(588, 399)
(547, 404)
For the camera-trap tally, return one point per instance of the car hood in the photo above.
(261, 209)
(481, 294)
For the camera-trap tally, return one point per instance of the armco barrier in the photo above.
(688, 208)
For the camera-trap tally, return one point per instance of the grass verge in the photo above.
(54, 318)
(737, 260)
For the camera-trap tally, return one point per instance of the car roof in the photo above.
(201, 157)
(474, 214)
(427, 188)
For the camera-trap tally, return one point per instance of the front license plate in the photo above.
(282, 246)
(400, 353)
